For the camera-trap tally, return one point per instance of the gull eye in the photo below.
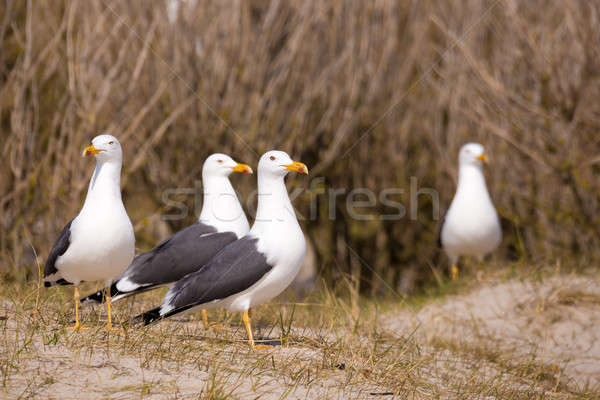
(220, 161)
(272, 158)
(111, 142)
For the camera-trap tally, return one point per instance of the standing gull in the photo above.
(222, 221)
(470, 226)
(98, 244)
(254, 269)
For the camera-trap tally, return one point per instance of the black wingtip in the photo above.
(148, 317)
(99, 297)
(60, 282)
(154, 315)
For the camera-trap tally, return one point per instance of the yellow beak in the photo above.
(91, 150)
(482, 157)
(243, 168)
(298, 167)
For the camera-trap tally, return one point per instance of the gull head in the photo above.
(472, 154)
(104, 148)
(278, 163)
(222, 165)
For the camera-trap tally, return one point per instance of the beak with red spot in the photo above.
(297, 167)
(482, 157)
(91, 150)
(243, 168)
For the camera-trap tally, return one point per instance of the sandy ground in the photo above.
(106, 376)
(554, 323)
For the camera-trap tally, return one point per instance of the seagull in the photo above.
(255, 268)
(222, 221)
(98, 244)
(470, 226)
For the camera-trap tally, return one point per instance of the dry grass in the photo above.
(367, 93)
(333, 347)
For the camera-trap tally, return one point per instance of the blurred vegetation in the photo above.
(366, 93)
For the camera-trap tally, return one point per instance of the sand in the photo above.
(473, 336)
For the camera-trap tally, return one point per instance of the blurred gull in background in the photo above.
(470, 226)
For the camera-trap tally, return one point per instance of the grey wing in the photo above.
(60, 247)
(233, 270)
(183, 253)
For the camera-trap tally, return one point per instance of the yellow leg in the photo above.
(109, 327)
(205, 318)
(454, 272)
(246, 319)
(77, 326)
(216, 326)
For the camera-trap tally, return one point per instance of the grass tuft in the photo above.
(330, 346)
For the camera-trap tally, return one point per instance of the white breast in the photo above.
(102, 246)
(471, 225)
(470, 229)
